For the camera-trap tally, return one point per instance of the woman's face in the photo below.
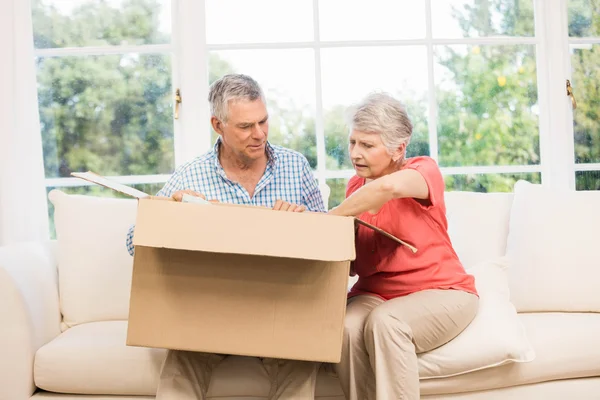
(370, 157)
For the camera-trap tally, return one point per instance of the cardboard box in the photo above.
(232, 279)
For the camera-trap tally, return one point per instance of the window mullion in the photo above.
(556, 118)
(192, 129)
(432, 123)
(319, 117)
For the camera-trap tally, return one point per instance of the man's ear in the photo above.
(217, 125)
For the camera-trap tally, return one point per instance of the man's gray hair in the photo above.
(381, 113)
(232, 87)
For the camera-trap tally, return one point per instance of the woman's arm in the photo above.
(372, 196)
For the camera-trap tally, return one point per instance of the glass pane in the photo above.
(97, 191)
(585, 63)
(584, 18)
(109, 114)
(288, 79)
(77, 23)
(338, 191)
(371, 20)
(349, 74)
(243, 21)
(482, 18)
(488, 182)
(587, 180)
(487, 105)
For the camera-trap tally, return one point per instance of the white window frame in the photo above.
(556, 117)
(577, 167)
(182, 142)
(192, 135)
(556, 145)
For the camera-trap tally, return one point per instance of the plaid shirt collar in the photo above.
(271, 160)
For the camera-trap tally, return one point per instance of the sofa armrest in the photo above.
(29, 313)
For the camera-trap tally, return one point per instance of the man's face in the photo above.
(246, 131)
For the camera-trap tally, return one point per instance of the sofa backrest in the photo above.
(478, 224)
(95, 268)
(552, 249)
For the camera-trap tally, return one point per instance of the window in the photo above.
(584, 40)
(473, 74)
(466, 71)
(104, 90)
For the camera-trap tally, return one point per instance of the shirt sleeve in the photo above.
(311, 195)
(129, 240)
(430, 171)
(173, 184)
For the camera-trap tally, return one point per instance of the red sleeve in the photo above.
(430, 171)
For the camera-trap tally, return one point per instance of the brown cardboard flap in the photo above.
(388, 235)
(107, 183)
(244, 230)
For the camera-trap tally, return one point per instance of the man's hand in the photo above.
(178, 195)
(281, 205)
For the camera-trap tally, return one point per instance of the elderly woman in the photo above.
(403, 303)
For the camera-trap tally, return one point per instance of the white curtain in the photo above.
(23, 209)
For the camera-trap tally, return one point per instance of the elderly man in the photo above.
(242, 168)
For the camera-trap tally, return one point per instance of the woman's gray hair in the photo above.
(232, 87)
(381, 113)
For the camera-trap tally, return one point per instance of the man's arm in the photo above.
(173, 185)
(129, 240)
(311, 195)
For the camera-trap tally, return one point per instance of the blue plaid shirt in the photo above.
(287, 177)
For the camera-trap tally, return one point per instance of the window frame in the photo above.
(189, 57)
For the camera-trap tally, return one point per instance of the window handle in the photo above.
(570, 94)
(177, 102)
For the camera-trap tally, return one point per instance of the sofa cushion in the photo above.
(495, 336)
(94, 267)
(92, 358)
(580, 389)
(478, 224)
(552, 244)
(567, 346)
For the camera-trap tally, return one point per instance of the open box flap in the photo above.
(116, 186)
(388, 235)
(245, 230)
(129, 191)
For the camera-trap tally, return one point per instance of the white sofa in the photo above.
(63, 307)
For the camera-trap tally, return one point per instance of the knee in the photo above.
(296, 370)
(301, 365)
(180, 359)
(381, 322)
(353, 326)
(177, 357)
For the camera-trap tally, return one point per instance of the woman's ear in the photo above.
(400, 153)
